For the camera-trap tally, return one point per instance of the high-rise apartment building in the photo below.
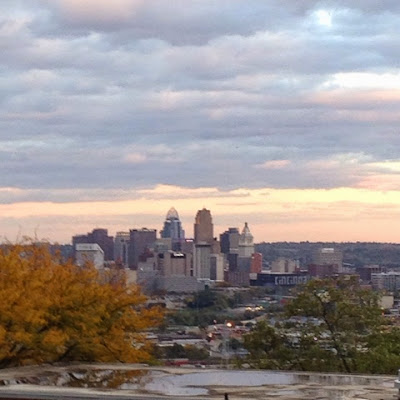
(173, 229)
(203, 227)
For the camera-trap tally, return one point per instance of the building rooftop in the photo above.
(172, 214)
(139, 381)
(88, 247)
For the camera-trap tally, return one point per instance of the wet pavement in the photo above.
(122, 381)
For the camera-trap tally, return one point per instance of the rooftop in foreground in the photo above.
(123, 381)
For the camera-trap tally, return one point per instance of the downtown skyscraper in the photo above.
(173, 229)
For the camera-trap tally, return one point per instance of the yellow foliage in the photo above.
(52, 311)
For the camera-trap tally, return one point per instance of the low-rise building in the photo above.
(328, 256)
(386, 280)
(284, 265)
(89, 253)
(276, 280)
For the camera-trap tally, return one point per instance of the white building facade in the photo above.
(89, 253)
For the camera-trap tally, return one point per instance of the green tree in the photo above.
(175, 351)
(343, 314)
(340, 328)
(268, 349)
(383, 355)
(195, 353)
(202, 299)
(208, 298)
(189, 351)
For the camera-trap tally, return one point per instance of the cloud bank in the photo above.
(103, 100)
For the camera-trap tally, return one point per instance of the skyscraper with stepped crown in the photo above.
(203, 227)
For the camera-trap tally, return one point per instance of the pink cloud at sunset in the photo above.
(274, 214)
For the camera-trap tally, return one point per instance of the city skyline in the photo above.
(282, 115)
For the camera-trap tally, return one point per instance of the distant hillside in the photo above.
(357, 254)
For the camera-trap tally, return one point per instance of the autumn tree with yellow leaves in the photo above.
(54, 311)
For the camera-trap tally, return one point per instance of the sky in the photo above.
(284, 114)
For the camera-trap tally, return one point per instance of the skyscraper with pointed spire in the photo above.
(246, 242)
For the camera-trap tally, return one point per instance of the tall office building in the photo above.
(173, 229)
(99, 236)
(139, 241)
(172, 263)
(230, 241)
(203, 227)
(203, 243)
(202, 261)
(241, 267)
(246, 243)
(121, 246)
(256, 263)
(217, 265)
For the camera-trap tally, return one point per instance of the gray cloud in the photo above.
(130, 94)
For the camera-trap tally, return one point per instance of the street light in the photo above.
(226, 335)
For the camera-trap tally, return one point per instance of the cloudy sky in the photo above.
(284, 114)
